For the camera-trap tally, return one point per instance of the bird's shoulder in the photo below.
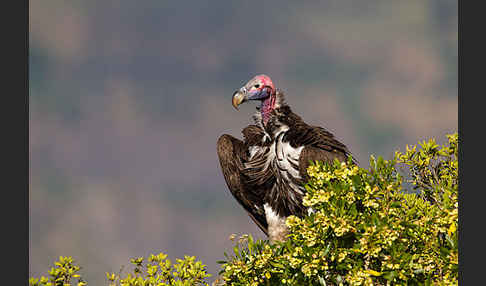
(253, 135)
(301, 134)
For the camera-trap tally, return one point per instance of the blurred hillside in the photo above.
(127, 100)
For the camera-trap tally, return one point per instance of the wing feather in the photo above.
(232, 153)
(320, 145)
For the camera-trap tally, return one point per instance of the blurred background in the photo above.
(128, 99)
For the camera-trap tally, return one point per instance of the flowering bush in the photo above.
(365, 228)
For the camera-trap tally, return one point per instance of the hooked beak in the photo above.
(238, 98)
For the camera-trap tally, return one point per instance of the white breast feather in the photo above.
(253, 150)
(285, 155)
(282, 155)
(277, 230)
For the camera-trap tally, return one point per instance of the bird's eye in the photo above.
(257, 85)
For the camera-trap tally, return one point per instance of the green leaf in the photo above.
(321, 281)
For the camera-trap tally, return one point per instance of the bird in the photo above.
(266, 171)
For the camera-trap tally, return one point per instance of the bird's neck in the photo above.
(269, 110)
(266, 108)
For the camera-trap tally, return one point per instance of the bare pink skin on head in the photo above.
(268, 104)
(266, 108)
(265, 81)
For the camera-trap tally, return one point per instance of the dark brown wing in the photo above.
(232, 152)
(320, 145)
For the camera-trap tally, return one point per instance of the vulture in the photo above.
(266, 171)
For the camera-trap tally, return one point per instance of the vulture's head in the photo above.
(259, 88)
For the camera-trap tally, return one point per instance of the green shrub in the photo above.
(365, 230)
(64, 272)
(158, 270)
(161, 271)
